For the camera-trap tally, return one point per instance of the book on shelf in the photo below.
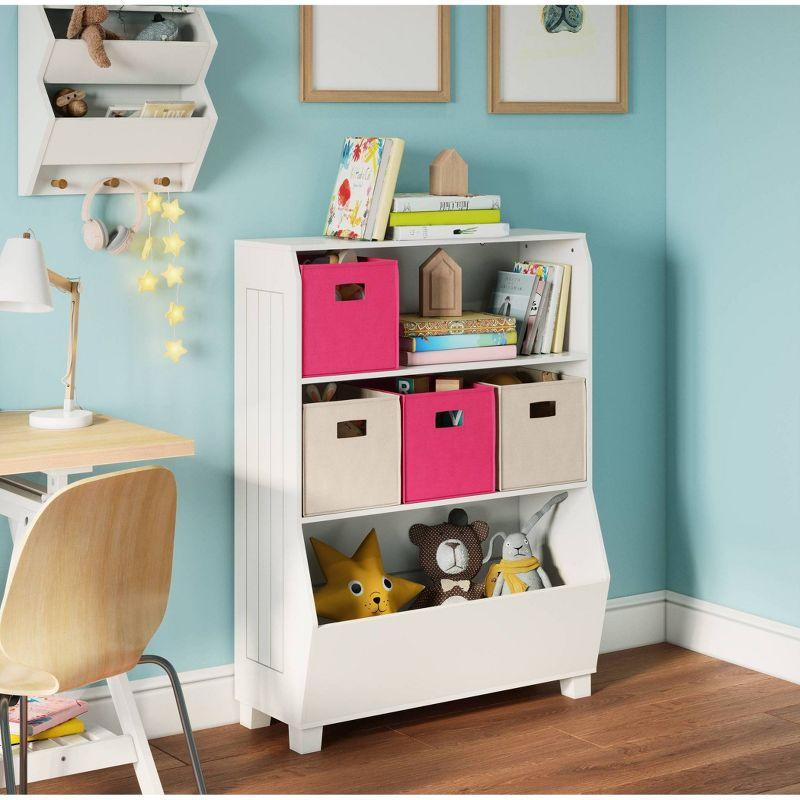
(68, 728)
(546, 326)
(458, 341)
(362, 195)
(513, 296)
(462, 355)
(478, 217)
(46, 712)
(410, 202)
(168, 109)
(413, 233)
(468, 322)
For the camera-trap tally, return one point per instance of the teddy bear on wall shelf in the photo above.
(85, 22)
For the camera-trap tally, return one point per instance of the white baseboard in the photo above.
(630, 622)
(744, 639)
(634, 621)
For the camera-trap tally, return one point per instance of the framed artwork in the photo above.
(369, 54)
(558, 59)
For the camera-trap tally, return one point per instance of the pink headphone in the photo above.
(95, 233)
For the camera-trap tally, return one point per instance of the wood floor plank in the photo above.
(661, 719)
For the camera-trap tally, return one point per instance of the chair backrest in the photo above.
(90, 585)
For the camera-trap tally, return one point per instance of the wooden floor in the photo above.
(661, 720)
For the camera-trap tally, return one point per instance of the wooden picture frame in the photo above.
(310, 94)
(497, 105)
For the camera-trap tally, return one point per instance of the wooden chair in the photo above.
(86, 591)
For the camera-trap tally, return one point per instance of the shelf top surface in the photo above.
(330, 243)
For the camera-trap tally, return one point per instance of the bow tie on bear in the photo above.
(448, 585)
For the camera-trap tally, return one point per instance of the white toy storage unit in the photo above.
(307, 674)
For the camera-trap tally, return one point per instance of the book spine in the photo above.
(422, 344)
(540, 323)
(387, 191)
(459, 356)
(414, 233)
(400, 219)
(457, 327)
(552, 310)
(561, 318)
(432, 202)
(536, 304)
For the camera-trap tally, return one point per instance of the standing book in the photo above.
(551, 311)
(512, 297)
(563, 306)
(362, 197)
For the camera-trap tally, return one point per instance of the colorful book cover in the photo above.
(462, 355)
(534, 317)
(46, 712)
(414, 233)
(355, 185)
(513, 294)
(481, 217)
(405, 203)
(422, 344)
(468, 322)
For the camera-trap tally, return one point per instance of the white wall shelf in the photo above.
(83, 150)
(307, 674)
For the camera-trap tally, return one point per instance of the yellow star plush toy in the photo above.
(172, 211)
(174, 349)
(153, 203)
(359, 586)
(175, 314)
(148, 281)
(173, 244)
(173, 275)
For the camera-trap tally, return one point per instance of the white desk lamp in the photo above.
(25, 286)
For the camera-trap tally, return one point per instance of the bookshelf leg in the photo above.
(577, 687)
(305, 740)
(131, 723)
(252, 718)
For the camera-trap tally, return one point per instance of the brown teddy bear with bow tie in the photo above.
(451, 556)
(85, 22)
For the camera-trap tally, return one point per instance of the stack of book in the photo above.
(49, 718)
(536, 295)
(474, 336)
(429, 216)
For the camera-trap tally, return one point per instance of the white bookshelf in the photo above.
(287, 664)
(83, 150)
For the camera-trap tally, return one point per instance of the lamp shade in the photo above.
(24, 284)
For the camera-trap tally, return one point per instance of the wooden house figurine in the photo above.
(449, 174)
(440, 286)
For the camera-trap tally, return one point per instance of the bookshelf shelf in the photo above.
(449, 501)
(471, 366)
(308, 674)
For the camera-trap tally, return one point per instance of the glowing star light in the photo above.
(153, 203)
(175, 314)
(173, 275)
(147, 248)
(172, 211)
(173, 244)
(148, 282)
(174, 350)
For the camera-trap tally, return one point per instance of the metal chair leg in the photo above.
(23, 745)
(5, 740)
(182, 712)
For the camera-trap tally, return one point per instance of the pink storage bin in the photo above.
(341, 336)
(450, 461)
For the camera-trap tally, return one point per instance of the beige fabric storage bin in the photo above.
(344, 473)
(541, 432)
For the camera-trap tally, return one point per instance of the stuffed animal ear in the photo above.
(417, 533)
(76, 22)
(481, 529)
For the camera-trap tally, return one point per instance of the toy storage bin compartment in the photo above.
(541, 432)
(356, 335)
(345, 472)
(448, 443)
(96, 140)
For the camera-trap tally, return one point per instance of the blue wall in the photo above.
(269, 172)
(733, 283)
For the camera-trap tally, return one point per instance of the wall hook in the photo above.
(112, 182)
(59, 183)
(162, 181)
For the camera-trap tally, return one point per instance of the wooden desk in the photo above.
(107, 441)
(60, 454)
